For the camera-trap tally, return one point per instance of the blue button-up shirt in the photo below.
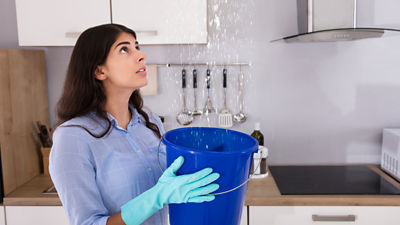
(94, 177)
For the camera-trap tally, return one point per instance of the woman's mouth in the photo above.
(142, 71)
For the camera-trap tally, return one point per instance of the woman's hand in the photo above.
(186, 188)
(171, 188)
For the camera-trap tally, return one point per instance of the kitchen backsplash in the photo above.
(318, 103)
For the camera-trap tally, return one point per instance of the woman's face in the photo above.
(124, 68)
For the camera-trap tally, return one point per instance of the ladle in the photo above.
(240, 117)
(185, 117)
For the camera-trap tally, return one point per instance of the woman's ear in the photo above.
(100, 75)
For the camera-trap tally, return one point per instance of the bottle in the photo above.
(262, 154)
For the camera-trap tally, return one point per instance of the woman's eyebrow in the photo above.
(123, 43)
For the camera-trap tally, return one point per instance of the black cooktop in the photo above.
(320, 180)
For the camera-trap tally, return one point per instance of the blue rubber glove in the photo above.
(171, 188)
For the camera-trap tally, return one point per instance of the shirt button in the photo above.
(149, 169)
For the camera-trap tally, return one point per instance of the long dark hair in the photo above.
(82, 91)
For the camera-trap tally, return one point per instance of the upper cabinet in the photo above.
(164, 22)
(59, 23)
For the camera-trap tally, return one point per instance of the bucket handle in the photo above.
(218, 193)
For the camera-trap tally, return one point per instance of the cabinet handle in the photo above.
(147, 32)
(323, 218)
(141, 32)
(72, 34)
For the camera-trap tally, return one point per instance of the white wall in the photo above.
(318, 103)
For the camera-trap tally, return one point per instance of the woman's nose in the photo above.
(142, 57)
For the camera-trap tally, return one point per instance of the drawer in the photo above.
(332, 215)
(43, 215)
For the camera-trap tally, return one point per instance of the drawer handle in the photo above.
(72, 34)
(147, 32)
(323, 218)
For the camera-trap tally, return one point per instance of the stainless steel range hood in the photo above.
(332, 20)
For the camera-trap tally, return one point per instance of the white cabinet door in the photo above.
(303, 215)
(163, 22)
(2, 217)
(58, 23)
(43, 215)
(243, 219)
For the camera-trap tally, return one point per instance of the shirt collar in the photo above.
(135, 119)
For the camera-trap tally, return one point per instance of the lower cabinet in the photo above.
(2, 217)
(43, 215)
(50, 215)
(258, 215)
(243, 219)
(332, 215)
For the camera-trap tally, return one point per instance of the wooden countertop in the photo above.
(31, 194)
(264, 192)
(260, 192)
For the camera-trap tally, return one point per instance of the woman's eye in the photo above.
(137, 47)
(124, 50)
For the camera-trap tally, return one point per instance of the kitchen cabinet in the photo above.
(50, 215)
(163, 22)
(303, 215)
(59, 23)
(43, 215)
(2, 217)
(243, 219)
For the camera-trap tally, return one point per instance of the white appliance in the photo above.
(391, 152)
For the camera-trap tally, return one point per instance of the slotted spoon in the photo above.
(196, 111)
(208, 107)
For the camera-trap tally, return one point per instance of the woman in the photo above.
(103, 162)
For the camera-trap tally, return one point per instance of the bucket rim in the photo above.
(245, 151)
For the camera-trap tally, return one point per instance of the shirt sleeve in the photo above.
(73, 173)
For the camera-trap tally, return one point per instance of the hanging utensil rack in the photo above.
(208, 65)
(200, 64)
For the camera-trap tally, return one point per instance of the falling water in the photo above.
(228, 41)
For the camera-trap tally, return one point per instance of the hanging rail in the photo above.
(200, 64)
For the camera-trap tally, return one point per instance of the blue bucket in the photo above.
(229, 153)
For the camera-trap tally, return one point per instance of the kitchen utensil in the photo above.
(208, 108)
(196, 111)
(44, 135)
(240, 117)
(185, 117)
(225, 116)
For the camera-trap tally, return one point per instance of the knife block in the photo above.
(45, 156)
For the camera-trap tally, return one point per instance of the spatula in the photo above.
(225, 115)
